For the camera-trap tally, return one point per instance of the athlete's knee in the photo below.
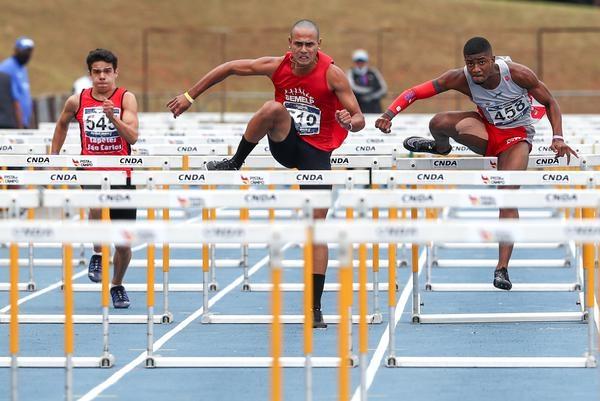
(123, 250)
(438, 123)
(509, 213)
(272, 109)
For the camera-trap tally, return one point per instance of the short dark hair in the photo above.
(305, 23)
(101, 55)
(477, 45)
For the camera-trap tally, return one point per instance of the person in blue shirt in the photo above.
(14, 66)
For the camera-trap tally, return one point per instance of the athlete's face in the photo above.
(480, 66)
(304, 45)
(103, 76)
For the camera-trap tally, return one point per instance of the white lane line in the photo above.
(96, 391)
(59, 284)
(379, 353)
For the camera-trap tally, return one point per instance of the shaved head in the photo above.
(305, 24)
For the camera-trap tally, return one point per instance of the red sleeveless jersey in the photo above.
(311, 104)
(98, 135)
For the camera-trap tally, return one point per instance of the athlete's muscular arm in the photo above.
(260, 66)
(350, 117)
(527, 79)
(127, 125)
(62, 125)
(453, 79)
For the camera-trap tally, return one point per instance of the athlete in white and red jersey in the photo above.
(502, 125)
(108, 123)
(313, 110)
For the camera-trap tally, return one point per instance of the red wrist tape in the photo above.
(406, 98)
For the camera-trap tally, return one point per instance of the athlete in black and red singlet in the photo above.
(313, 110)
(108, 125)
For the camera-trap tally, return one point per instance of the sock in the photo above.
(98, 253)
(243, 150)
(318, 285)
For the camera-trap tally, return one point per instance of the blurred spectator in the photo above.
(8, 118)
(367, 83)
(15, 67)
(82, 83)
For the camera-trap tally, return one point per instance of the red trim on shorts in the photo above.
(500, 139)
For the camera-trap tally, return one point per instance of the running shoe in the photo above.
(318, 322)
(119, 297)
(416, 144)
(501, 279)
(95, 268)
(225, 164)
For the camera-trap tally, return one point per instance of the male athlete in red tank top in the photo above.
(313, 110)
(108, 125)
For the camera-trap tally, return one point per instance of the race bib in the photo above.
(506, 113)
(307, 119)
(96, 124)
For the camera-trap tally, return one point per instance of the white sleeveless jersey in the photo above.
(506, 106)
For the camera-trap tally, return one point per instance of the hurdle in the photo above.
(586, 231)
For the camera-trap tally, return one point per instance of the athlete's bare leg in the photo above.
(121, 262)
(96, 214)
(465, 127)
(320, 253)
(271, 119)
(514, 158)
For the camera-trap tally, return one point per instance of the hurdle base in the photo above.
(81, 319)
(244, 362)
(515, 263)
(517, 287)
(500, 317)
(268, 319)
(142, 287)
(21, 286)
(490, 362)
(55, 362)
(299, 287)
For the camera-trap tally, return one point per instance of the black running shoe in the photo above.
(119, 297)
(95, 268)
(501, 279)
(318, 322)
(416, 144)
(225, 164)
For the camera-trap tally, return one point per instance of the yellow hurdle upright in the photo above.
(14, 319)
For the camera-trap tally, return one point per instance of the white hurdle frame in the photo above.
(584, 231)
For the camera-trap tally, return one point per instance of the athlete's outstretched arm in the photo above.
(260, 66)
(453, 79)
(62, 125)
(351, 118)
(527, 79)
(127, 125)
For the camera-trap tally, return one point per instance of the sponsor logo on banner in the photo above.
(430, 177)
(543, 148)
(583, 233)
(141, 151)
(141, 235)
(375, 140)
(114, 198)
(16, 140)
(396, 233)
(224, 232)
(339, 160)
(460, 148)
(190, 202)
(496, 235)
(303, 177)
(417, 198)
(260, 198)
(128, 161)
(9, 179)
(493, 164)
(547, 161)
(6, 148)
(483, 200)
(215, 140)
(562, 178)
(175, 141)
(36, 233)
(63, 177)
(365, 148)
(253, 179)
(38, 159)
(558, 198)
(188, 148)
(445, 163)
(493, 180)
(82, 163)
(191, 177)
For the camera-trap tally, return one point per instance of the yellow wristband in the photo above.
(188, 97)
